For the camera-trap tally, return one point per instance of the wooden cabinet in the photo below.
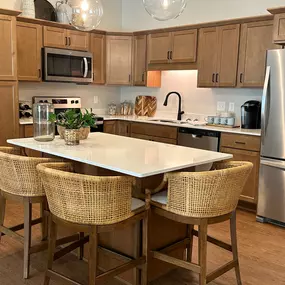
(123, 128)
(244, 148)
(27, 131)
(119, 60)
(9, 111)
(279, 28)
(110, 127)
(218, 56)
(255, 40)
(68, 39)
(173, 47)
(156, 133)
(8, 49)
(142, 77)
(98, 48)
(29, 44)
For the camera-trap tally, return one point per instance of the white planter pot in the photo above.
(28, 9)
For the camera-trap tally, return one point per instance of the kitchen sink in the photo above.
(168, 121)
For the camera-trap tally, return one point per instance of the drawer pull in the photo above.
(240, 143)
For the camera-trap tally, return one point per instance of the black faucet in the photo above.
(179, 104)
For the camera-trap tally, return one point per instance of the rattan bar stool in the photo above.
(202, 198)
(19, 181)
(93, 205)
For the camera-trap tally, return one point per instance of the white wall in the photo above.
(195, 100)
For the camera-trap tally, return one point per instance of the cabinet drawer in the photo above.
(154, 139)
(154, 130)
(240, 141)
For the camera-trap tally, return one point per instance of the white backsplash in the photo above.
(86, 92)
(195, 101)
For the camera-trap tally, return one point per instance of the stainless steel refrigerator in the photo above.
(271, 198)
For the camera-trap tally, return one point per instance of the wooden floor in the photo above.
(261, 250)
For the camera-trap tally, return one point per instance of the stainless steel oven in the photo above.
(67, 65)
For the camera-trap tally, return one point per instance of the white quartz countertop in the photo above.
(135, 157)
(184, 125)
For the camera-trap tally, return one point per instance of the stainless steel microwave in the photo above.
(67, 65)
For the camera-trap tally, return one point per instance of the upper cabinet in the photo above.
(142, 77)
(98, 48)
(255, 40)
(8, 49)
(119, 60)
(218, 56)
(279, 28)
(172, 47)
(29, 44)
(68, 39)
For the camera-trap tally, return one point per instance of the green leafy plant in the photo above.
(74, 119)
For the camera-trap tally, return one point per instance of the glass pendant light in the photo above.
(86, 14)
(163, 10)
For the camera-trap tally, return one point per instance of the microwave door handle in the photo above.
(85, 67)
(264, 109)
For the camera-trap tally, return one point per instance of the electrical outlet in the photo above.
(231, 107)
(221, 106)
(96, 100)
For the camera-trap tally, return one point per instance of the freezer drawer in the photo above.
(271, 195)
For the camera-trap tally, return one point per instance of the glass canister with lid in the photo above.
(44, 122)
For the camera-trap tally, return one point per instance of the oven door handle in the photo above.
(85, 67)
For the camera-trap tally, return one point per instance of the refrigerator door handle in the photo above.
(265, 95)
(273, 163)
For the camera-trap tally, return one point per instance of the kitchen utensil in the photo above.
(28, 8)
(63, 12)
(145, 106)
(112, 108)
(231, 121)
(217, 120)
(45, 10)
(210, 119)
(251, 115)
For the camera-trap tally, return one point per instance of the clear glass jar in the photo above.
(44, 126)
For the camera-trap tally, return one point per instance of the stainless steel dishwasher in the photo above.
(201, 139)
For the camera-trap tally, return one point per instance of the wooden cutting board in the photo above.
(145, 106)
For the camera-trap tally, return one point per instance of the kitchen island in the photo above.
(105, 154)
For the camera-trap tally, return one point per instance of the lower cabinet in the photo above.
(154, 139)
(245, 148)
(9, 112)
(110, 127)
(123, 128)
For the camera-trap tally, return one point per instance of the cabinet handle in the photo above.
(213, 78)
(69, 41)
(143, 77)
(66, 41)
(243, 143)
(168, 55)
(241, 77)
(171, 54)
(217, 77)
(40, 73)
(129, 78)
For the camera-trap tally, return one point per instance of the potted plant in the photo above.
(74, 126)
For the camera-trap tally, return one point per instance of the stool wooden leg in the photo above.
(81, 248)
(2, 212)
(234, 246)
(51, 247)
(44, 224)
(93, 255)
(190, 245)
(203, 228)
(145, 248)
(27, 236)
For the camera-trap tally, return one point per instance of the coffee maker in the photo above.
(251, 115)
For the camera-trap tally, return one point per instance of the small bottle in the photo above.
(24, 106)
(26, 114)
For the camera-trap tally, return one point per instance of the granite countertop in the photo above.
(184, 125)
(145, 158)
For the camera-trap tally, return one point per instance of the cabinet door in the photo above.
(250, 191)
(159, 47)
(139, 60)
(255, 40)
(184, 46)
(9, 111)
(98, 48)
(153, 138)
(110, 127)
(227, 56)
(123, 128)
(55, 37)
(77, 40)
(279, 28)
(119, 60)
(29, 44)
(207, 56)
(8, 48)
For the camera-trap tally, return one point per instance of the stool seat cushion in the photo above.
(160, 197)
(136, 204)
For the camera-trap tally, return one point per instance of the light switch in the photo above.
(96, 100)
(221, 106)
(231, 107)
